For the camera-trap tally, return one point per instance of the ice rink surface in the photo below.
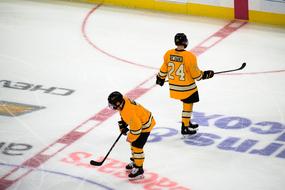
(60, 60)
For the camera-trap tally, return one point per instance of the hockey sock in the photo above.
(187, 113)
(138, 156)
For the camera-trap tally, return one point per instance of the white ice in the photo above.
(59, 44)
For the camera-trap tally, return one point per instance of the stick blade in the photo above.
(94, 163)
(243, 65)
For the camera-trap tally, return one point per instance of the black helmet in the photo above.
(115, 99)
(181, 39)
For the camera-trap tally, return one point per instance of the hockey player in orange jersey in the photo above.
(140, 122)
(180, 66)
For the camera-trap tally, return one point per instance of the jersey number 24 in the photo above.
(179, 72)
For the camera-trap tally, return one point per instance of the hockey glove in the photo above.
(208, 74)
(159, 80)
(123, 127)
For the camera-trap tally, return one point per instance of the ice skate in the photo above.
(136, 173)
(129, 167)
(194, 126)
(189, 130)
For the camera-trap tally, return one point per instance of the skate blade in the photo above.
(136, 178)
(187, 136)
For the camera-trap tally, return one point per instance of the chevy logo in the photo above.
(12, 109)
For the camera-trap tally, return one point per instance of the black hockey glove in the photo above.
(159, 80)
(123, 127)
(208, 74)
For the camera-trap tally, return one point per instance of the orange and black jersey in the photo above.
(180, 66)
(138, 118)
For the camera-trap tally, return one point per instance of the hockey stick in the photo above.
(95, 163)
(220, 72)
(242, 66)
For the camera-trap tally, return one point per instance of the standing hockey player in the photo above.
(180, 66)
(140, 122)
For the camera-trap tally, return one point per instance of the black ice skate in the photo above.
(136, 173)
(194, 126)
(191, 130)
(130, 166)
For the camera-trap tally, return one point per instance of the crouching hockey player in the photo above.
(140, 123)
